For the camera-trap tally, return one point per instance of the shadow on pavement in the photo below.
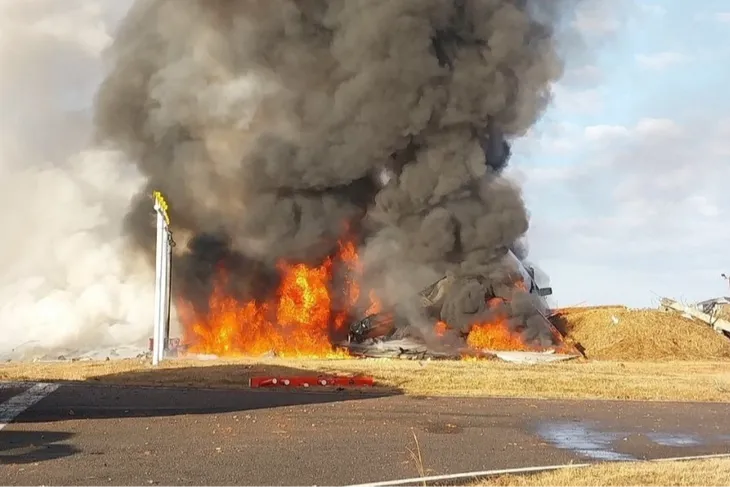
(185, 390)
(22, 447)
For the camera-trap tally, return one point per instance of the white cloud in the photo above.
(596, 18)
(704, 206)
(577, 101)
(587, 75)
(595, 133)
(658, 127)
(661, 60)
(638, 208)
(643, 202)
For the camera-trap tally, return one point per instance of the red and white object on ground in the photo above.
(311, 381)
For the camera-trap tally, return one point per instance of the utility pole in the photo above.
(725, 277)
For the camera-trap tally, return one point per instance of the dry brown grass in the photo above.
(617, 333)
(680, 381)
(651, 355)
(713, 472)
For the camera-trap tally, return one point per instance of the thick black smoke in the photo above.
(270, 125)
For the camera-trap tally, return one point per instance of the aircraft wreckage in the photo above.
(388, 335)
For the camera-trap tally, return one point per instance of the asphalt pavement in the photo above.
(82, 434)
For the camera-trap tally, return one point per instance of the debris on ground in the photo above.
(412, 350)
(403, 348)
(383, 334)
(620, 333)
(704, 311)
(529, 358)
(35, 353)
(718, 307)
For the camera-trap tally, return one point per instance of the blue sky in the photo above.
(626, 174)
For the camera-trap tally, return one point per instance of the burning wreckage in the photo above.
(327, 159)
(493, 326)
(386, 334)
(509, 313)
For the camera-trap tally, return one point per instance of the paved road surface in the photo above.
(97, 435)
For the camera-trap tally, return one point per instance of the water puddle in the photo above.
(669, 439)
(590, 442)
(577, 437)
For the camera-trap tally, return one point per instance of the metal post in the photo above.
(157, 344)
(168, 288)
(163, 267)
(165, 293)
(163, 264)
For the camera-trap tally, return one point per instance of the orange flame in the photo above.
(376, 306)
(496, 334)
(298, 322)
(302, 317)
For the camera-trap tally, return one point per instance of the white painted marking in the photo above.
(10, 409)
(484, 473)
(16, 385)
(505, 471)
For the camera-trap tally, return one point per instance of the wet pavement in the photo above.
(101, 435)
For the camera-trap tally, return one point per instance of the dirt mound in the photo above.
(618, 333)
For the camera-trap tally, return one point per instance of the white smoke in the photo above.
(68, 281)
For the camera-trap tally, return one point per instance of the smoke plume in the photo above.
(69, 283)
(272, 125)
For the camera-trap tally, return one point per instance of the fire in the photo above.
(299, 321)
(493, 335)
(496, 334)
(376, 306)
(305, 313)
